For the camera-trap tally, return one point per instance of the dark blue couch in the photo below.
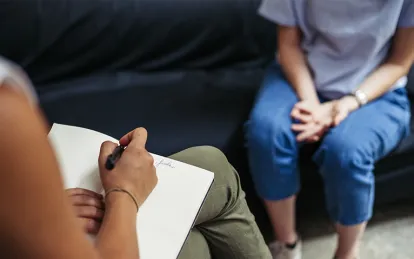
(186, 70)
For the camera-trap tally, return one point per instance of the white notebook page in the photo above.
(168, 214)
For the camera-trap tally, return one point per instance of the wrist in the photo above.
(327, 119)
(120, 200)
(307, 94)
(351, 102)
(328, 105)
(311, 101)
(361, 97)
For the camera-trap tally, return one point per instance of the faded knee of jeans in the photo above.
(344, 157)
(265, 132)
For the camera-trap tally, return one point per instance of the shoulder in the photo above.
(282, 12)
(11, 75)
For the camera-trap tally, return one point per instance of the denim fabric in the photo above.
(346, 155)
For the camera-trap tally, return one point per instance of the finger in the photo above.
(326, 122)
(304, 107)
(304, 136)
(89, 212)
(317, 120)
(106, 149)
(90, 226)
(301, 127)
(81, 191)
(137, 137)
(308, 133)
(313, 139)
(294, 111)
(84, 200)
(302, 117)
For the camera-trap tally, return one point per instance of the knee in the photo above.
(201, 156)
(267, 130)
(216, 161)
(211, 159)
(205, 156)
(345, 156)
(346, 166)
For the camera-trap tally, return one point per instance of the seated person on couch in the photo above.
(340, 80)
(36, 220)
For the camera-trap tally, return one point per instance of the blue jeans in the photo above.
(346, 155)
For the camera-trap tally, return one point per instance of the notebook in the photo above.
(169, 213)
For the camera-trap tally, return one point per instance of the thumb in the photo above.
(137, 137)
(339, 118)
(106, 149)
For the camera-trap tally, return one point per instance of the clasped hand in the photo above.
(313, 119)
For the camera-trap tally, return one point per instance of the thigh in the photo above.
(196, 246)
(226, 183)
(276, 97)
(225, 219)
(374, 130)
(348, 153)
(271, 144)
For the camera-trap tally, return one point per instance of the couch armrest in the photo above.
(54, 40)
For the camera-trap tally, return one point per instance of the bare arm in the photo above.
(117, 237)
(35, 217)
(36, 220)
(294, 64)
(397, 65)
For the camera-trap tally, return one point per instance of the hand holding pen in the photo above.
(130, 168)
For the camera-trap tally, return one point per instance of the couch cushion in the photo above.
(180, 109)
(56, 41)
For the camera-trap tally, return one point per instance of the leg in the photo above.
(225, 219)
(347, 156)
(196, 246)
(273, 152)
(348, 238)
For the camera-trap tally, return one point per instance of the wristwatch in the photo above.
(361, 97)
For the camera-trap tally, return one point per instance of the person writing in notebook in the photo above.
(37, 219)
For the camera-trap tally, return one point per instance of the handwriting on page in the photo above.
(163, 162)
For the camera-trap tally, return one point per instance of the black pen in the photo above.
(114, 157)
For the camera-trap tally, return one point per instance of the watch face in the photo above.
(361, 97)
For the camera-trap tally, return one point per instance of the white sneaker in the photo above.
(280, 251)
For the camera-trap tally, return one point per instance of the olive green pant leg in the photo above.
(225, 219)
(196, 247)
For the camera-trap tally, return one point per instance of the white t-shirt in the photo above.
(13, 75)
